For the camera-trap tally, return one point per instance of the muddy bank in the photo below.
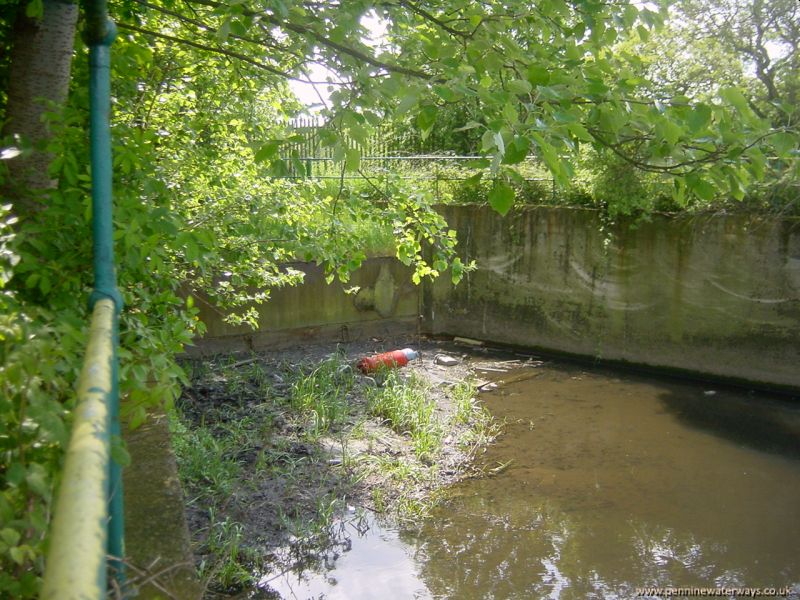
(277, 451)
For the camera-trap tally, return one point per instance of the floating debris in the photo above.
(501, 466)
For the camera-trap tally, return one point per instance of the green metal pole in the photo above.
(100, 33)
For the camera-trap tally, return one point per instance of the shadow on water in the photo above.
(764, 423)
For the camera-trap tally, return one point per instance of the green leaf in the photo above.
(757, 164)
(737, 190)
(499, 143)
(580, 132)
(487, 141)
(700, 187)
(456, 270)
(372, 118)
(597, 87)
(267, 151)
(784, 143)
(358, 133)
(15, 474)
(10, 536)
(517, 150)
(501, 197)
(138, 416)
(445, 93)
(406, 103)
(119, 451)
(520, 86)
(473, 179)
(735, 98)
(629, 15)
(468, 126)
(339, 152)
(552, 93)
(427, 117)
(34, 9)
(328, 138)
(278, 168)
(224, 31)
(699, 118)
(17, 554)
(36, 478)
(352, 159)
(668, 131)
(550, 158)
(538, 75)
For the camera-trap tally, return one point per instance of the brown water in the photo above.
(612, 483)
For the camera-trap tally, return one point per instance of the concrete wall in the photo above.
(710, 294)
(386, 305)
(718, 295)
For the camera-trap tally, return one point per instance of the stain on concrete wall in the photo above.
(712, 294)
(386, 304)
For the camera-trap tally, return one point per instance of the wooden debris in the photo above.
(467, 341)
(489, 369)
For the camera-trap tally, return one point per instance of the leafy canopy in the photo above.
(539, 79)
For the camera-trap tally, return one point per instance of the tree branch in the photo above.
(429, 17)
(674, 169)
(327, 42)
(217, 50)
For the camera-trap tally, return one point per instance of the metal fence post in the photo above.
(88, 521)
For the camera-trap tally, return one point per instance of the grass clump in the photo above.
(205, 461)
(463, 396)
(211, 467)
(229, 567)
(322, 393)
(406, 405)
(479, 426)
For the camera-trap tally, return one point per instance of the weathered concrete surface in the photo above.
(718, 295)
(387, 304)
(156, 538)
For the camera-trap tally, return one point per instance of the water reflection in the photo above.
(573, 555)
(369, 561)
(617, 484)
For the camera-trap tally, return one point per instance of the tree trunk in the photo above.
(39, 74)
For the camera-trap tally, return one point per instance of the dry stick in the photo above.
(144, 577)
(246, 361)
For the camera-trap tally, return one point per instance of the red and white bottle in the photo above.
(395, 358)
